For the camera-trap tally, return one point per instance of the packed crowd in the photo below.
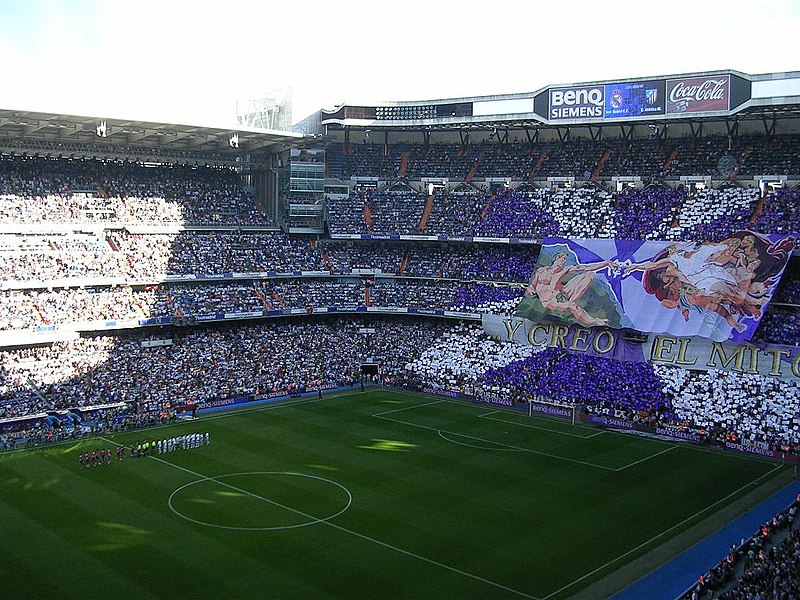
(459, 358)
(577, 157)
(210, 363)
(433, 260)
(453, 213)
(765, 565)
(148, 257)
(441, 276)
(567, 212)
(41, 307)
(86, 307)
(216, 253)
(427, 279)
(761, 412)
(203, 364)
(655, 212)
(604, 385)
(37, 190)
(779, 325)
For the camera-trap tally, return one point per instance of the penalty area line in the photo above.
(487, 417)
(641, 460)
(389, 412)
(501, 444)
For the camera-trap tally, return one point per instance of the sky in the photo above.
(190, 61)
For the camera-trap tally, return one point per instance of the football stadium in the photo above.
(538, 345)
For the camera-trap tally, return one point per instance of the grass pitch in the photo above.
(372, 495)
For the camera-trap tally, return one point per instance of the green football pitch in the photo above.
(379, 494)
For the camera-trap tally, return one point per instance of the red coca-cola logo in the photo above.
(698, 94)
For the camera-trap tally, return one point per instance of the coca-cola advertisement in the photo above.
(698, 94)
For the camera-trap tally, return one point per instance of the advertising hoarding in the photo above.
(579, 102)
(698, 94)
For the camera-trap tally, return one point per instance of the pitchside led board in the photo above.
(644, 99)
(691, 304)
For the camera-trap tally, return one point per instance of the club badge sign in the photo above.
(698, 94)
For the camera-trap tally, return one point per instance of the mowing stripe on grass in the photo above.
(508, 511)
(356, 533)
(663, 533)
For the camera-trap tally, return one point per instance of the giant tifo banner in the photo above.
(714, 290)
(695, 353)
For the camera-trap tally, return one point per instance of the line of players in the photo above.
(183, 442)
(104, 456)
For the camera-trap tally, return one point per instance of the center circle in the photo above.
(299, 499)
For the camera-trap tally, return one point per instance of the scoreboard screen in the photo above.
(634, 99)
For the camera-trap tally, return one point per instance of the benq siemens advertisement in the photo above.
(649, 98)
(613, 100)
(580, 102)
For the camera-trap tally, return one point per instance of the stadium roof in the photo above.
(742, 97)
(59, 134)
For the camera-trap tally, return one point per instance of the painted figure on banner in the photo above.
(733, 278)
(565, 288)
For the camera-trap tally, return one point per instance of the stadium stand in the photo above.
(205, 269)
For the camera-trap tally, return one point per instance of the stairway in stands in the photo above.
(263, 299)
(474, 168)
(368, 217)
(403, 264)
(537, 166)
(403, 164)
(426, 213)
(668, 163)
(324, 254)
(600, 165)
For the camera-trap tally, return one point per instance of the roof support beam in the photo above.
(732, 127)
(34, 127)
(69, 130)
(627, 132)
(132, 138)
(697, 130)
(769, 126)
(198, 141)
